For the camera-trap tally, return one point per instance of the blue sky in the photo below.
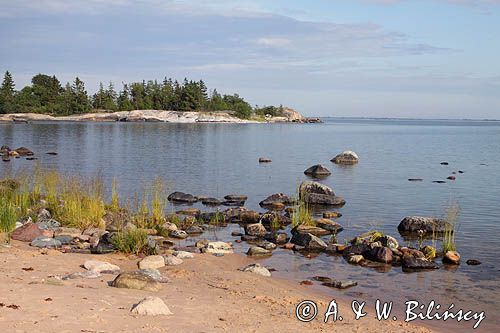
(371, 58)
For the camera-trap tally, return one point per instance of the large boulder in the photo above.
(182, 197)
(317, 170)
(27, 232)
(256, 229)
(413, 224)
(347, 157)
(151, 262)
(136, 280)
(309, 241)
(151, 306)
(276, 198)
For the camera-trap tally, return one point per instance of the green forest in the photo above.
(47, 95)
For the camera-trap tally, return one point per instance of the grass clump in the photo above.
(133, 242)
(301, 215)
(448, 243)
(8, 216)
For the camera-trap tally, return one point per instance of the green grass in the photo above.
(449, 243)
(133, 241)
(8, 216)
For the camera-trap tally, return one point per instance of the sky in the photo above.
(346, 58)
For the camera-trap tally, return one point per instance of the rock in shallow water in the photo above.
(473, 262)
(317, 170)
(256, 269)
(451, 257)
(347, 157)
(412, 224)
(340, 284)
(410, 263)
(151, 306)
(309, 241)
(182, 197)
(218, 248)
(256, 229)
(257, 251)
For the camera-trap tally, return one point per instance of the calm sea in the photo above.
(218, 159)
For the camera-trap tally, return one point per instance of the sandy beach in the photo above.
(205, 294)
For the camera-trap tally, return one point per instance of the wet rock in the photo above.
(317, 170)
(460, 171)
(355, 259)
(53, 153)
(389, 241)
(23, 151)
(31, 158)
(218, 248)
(236, 234)
(347, 157)
(183, 254)
(277, 237)
(412, 224)
(180, 234)
(410, 263)
(189, 211)
(439, 181)
(256, 269)
(249, 217)
(248, 238)
(266, 245)
(415, 179)
(444, 163)
(257, 251)
(101, 267)
(233, 203)
(277, 198)
(45, 242)
(182, 197)
(172, 261)
(211, 201)
(236, 198)
(27, 232)
(323, 199)
(412, 252)
(473, 262)
(322, 279)
(151, 262)
(356, 249)
(331, 215)
(194, 230)
(340, 284)
(151, 306)
(309, 241)
(331, 226)
(380, 254)
(452, 258)
(451, 178)
(274, 219)
(136, 280)
(256, 229)
(314, 187)
(305, 229)
(264, 160)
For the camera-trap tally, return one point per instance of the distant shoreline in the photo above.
(154, 116)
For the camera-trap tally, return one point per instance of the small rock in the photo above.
(451, 178)
(389, 241)
(264, 160)
(309, 241)
(256, 229)
(172, 260)
(183, 255)
(340, 284)
(236, 198)
(415, 179)
(152, 262)
(218, 248)
(84, 275)
(429, 252)
(331, 215)
(45, 242)
(327, 224)
(48, 224)
(189, 211)
(182, 197)
(322, 279)
(473, 262)
(101, 267)
(194, 230)
(317, 170)
(452, 257)
(210, 201)
(277, 237)
(180, 234)
(380, 254)
(410, 263)
(154, 274)
(256, 269)
(43, 214)
(257, 251)
(236, 234)
(355, 259)
(151, 306)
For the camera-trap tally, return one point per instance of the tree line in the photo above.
(46, 95)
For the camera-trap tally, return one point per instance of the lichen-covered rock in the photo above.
(256, 229)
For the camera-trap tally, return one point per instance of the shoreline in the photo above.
(206, 293)
(154, 116)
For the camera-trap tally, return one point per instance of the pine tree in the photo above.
(7, 92)
(81, 103)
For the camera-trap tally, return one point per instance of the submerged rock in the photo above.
(236, 198)
(256, 269)
(347, 157)
(331, 215)
(211, 201)
(317, 170)
(473, 262)
(151, 306)
(340, 284)
(23, 151)
(182, 197)
(264, 160)
(329, 225)
(412, 224)
(309, 242)
(410, 263)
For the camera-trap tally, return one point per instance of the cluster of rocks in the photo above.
(229, 200)
(347, 157)
(7, 154)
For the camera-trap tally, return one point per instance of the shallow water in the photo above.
(218, 159)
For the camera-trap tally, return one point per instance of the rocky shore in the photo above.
(290, 115)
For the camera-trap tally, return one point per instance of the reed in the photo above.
(133, 241)
(8, 216)
(449, 243)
